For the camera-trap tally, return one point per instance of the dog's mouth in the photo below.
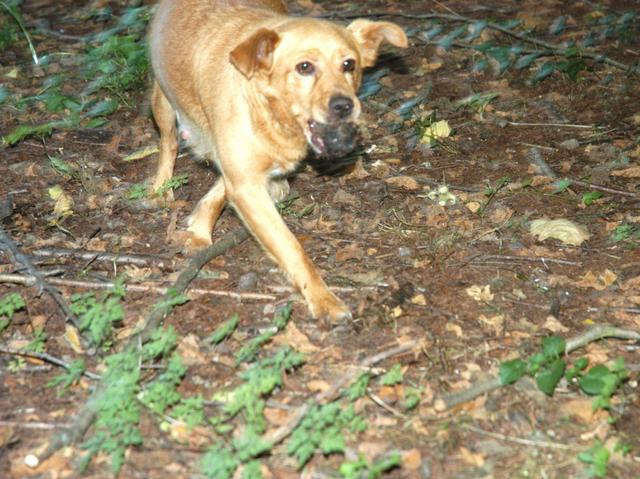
(332, 140)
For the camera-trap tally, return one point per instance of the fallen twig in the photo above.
(489, 258)
(118, 258)
(23, 279)
(284, 431)
(47, 358)
(154, 318)
(589, 336)
(518, 440)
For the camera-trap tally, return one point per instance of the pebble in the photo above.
(571, 144)
(248, 281)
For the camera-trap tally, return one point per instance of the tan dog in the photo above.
(252, 89)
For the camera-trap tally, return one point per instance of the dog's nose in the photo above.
(341, 106)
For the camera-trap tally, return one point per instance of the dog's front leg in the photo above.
(254, 205)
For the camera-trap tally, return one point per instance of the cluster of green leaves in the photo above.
(323, 429)
(250, 349)
(248, 400)
(597, 457)
(9, 304)
(71, 376)
(501, 55)
(173, 183)
(114, 64)
(361, 468)
(548, 367)
(97, 315)
(626, 232)
(8, 27)
(118, 411)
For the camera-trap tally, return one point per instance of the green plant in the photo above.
(323, 429)
(97, 315)
(512, 46)
(258, 381)
(590, 196)
(225, 330)
(73, 374)
(602, 382)
(114, 63)
(392, 376)
(251, 347)
(173, 184)
(548, 367)
(11, 7)
(117, 410)
(625, 232)
(9, 304)
(361, 468)
(62, 167)
(477, 102)
(138, 191)
(597, 456)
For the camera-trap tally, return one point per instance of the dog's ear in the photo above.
(256, 52)
(369, 35)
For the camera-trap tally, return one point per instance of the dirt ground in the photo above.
(466, 278)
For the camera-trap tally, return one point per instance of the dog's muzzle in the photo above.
(333, 139)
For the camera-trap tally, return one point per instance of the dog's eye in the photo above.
(348, 65)
(305, 68)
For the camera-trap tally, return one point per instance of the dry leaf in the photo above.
(419, 299)
(352, 251)
(189, 349)
(142, 153)
(599, 283)
(565, 230)
(357, 173)
(411, 459)
(473, 206)
(495, 323)
(435, 131)
(63, 202)
(405, 182)
(553, 325)
(480, 293)
(292, 335)
(453, 328)
(72, 337)
(195, 437)
(632, 172)
(473, 458)
(276, 416)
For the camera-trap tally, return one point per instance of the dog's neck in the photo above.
(276, 126)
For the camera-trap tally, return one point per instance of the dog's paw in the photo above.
(189, 242)
(329, 307)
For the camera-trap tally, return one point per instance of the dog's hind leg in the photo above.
(205, 215)
(165, 118)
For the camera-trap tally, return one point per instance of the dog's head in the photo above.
(310, 70)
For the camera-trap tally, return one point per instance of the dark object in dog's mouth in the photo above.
(332, 140)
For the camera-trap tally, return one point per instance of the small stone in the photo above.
(571, 144)
(404, 252)
(248, 281)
